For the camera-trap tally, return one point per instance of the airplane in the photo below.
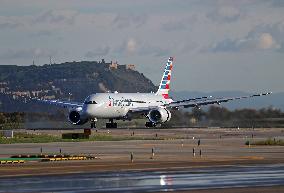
(122, 106)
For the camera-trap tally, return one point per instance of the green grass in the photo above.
(268, 142)
(21, 137)
(30, 138)
(15, 159)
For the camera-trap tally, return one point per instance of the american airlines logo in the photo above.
(122, 102)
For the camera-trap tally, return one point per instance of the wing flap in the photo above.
(142, 109)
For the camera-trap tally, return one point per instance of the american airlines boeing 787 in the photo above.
(121, 106)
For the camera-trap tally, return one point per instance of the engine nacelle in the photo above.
(76, 118)
(159, 115)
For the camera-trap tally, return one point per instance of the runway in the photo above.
(150, 181)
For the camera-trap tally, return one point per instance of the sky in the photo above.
(218, 45)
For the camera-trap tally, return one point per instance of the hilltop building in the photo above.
(130, 67)
(113, 65)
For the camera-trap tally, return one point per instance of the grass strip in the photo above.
(44, 138)
(269, 141)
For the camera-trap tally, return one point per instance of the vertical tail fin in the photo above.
(166, 79)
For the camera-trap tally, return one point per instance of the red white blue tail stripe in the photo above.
(166, 79)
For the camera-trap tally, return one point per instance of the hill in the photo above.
(58, 80)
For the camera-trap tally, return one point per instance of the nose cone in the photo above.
(89, 110)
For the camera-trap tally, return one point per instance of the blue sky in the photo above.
(217, 44)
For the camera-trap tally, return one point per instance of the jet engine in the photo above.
(76, 118)
(160, 115)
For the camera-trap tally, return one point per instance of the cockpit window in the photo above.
(90, 102)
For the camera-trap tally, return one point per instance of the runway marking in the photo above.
(253, 157)
(149, 145)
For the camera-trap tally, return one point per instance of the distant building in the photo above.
(130, 67)
(35, 93)
(113, 65)
(49, 97)
(56, 90)
(24, 93)
(2, 90)
(3, 84)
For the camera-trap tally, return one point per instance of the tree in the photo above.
(3, 118)
(218, 113)
(198, 113)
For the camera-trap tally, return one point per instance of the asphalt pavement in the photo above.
(150, 181)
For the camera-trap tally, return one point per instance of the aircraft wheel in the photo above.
(93, 125)
(111, 125)
(150, 124)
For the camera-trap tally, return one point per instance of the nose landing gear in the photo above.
(93, 123)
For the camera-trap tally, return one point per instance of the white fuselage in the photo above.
(117, 105)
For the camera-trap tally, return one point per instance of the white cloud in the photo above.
(100, 51)
(144, 32)
(153, 50)
(225, 14)
(134, 47)
(252, 42)
(57, 17)
(131, 46)
(9, 22)
(277, 3)
(266, 41)
(27, 53)
(42, 33)
(174, 25)
(127, 47)
(128, 20)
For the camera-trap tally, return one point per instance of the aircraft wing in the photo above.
(208, 100)
(146, 109)
(64, 104)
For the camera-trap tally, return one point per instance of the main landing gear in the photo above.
(150, 124)
(111, 124)
(93, 123)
